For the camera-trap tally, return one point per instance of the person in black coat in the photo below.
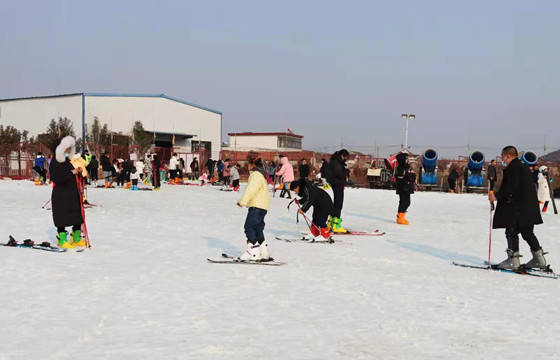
(452, 178)
(210, 167)
(303, 169)
(65, 198)
(405, 178)
(337, 178)
(492, 175)
(92, 169)
(311, 196)
(107, 169)
(324, 169)
(517, 211)
(156, 165)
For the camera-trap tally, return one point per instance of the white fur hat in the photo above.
(65, 143)
(543, 168)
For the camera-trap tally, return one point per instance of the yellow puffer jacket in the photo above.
(256, 194)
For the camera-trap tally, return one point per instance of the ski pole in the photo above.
(306, 218)
(490, 235)
(83, 212)
(45, 204)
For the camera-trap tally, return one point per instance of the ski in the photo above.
(305, 239)
(529, 272)
(29, 244)
(551, 194)
(377, 232)
(228, 259)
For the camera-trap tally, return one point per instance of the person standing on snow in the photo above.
(65, 198)
(287, 173)
(491, 173)
(337, 178)
(405, 178)
(40, 168)
(310, 195)
(517, 211)
(194, 168)
(452, 178)
(257, 198)
(156, 165)
(543, 187)
(234, 173)
(107, 169)
(173, 164)
(303, 169)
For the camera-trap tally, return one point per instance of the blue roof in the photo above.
(122, 95)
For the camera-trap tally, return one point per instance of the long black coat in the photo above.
(517, 198)
(405, 179)
(311, 195)
(304, 171)
(65, 200)
(337, 173)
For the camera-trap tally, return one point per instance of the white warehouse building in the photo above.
(174, 122)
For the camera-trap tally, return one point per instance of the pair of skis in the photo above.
(544, 273)
(30, 244)
(308, 239)
(228, 259)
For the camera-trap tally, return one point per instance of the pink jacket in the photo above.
(286, 171)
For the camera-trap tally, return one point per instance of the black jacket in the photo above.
(311, 195)
(405, 179)
(453, 175)
(517, 198)
(65, 200)
(304, 171)
(93, 166)
(106, 164)
(324, 170)
(491, 172)
(337, 173)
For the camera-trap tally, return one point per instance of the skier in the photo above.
(210, 166)
(337, 175)
(220, 168)
(234, 173)
(156, 164)
(107, 169)
(92, 169)
(134, 175)
(322, 204)
(173, 164)
(543, 188)
(194, 168)
(226, 174)
(65, 198)
(257, 198)
(405, 178)
(287, 174)
(303, 169)
(452, 178)
(492, 174)
(40, 168)
(517, 211)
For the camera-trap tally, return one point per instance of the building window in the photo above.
(204, 145)
(289, 142)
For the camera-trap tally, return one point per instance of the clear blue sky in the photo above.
(478, 72)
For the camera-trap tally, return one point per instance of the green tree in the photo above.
(141, 138)
(56, 131)
(98, 135)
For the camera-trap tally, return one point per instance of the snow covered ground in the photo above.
(145, 291)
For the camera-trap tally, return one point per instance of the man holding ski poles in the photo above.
(517, 211)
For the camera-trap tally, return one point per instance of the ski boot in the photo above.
(401, 220)
(537, 262)
(511, 263)
(544, 209)
(62, 240)
(337, 226)
(253, 253)
(330, 223)
(77, 240)
(264, 254)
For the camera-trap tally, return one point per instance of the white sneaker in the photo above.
(253, 253)
(265, 256)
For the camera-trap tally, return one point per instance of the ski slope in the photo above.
(145, 291)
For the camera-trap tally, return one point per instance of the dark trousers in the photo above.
(235, 183)
(156, 179)
(338, 191)
(512, 236)
(172, 174)
(320, 217)
(254, 225)
(492, 183)
(404, 202)
(286, 190)
(135, 182)
(74, 228)
(452, 184)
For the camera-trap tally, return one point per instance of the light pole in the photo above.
(407, 117)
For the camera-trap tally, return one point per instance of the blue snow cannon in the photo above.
(529, 158)
(429, 163)
(475, 165)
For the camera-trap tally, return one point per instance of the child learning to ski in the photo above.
(257, 198)
(310, 195)
(65, 198)
(234, 173)
(134, 175)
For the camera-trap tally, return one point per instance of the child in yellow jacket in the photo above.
(257, 198)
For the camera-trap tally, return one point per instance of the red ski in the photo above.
(376, 232)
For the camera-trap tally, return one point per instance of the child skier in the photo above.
(257, 198)
(65, 199)
(405, 178)
(543, 191)
(310, 195)
(234, 173)
(134, 175)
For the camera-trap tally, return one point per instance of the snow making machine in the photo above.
(529, 158)
(429, 171)
(473, 177)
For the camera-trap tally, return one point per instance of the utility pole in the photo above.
(406, 117)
